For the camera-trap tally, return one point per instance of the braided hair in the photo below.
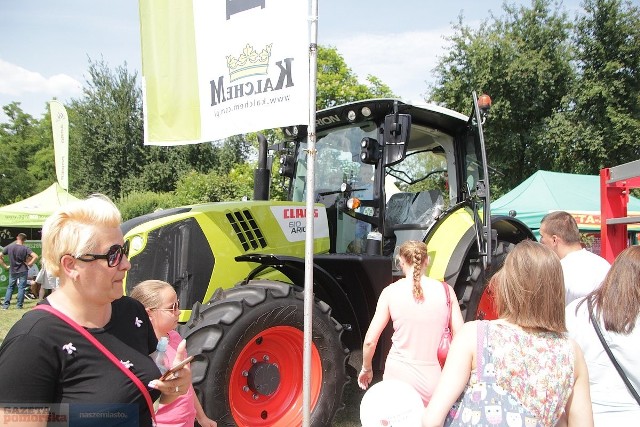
(415, 253)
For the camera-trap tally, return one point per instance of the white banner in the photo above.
(60, 129)
(292, 221)
(213, 69)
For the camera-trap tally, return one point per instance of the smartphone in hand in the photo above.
(176, 368)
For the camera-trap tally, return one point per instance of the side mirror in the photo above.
(397, 129)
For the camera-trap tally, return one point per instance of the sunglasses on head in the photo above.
(113, 256)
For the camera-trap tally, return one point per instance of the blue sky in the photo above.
(46, 43)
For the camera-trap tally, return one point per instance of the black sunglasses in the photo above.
(113, 256)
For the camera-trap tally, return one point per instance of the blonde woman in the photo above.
(86, 343)
(521, 369)
(417, 307)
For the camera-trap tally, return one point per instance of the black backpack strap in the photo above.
(632, 390)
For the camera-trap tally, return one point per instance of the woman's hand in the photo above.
(179, 383)
(207, 422)
(364, 378)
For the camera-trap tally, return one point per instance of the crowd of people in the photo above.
(563, 350)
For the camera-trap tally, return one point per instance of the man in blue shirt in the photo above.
(20, 259)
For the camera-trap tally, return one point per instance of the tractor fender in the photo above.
(510, 229)
(454, 256)
(451, 239)
(448, 243)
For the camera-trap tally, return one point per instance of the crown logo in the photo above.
(249, 63)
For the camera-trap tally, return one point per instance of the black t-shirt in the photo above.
(44, 360)
(18, 255)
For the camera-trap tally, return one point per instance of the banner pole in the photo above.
(309, 242)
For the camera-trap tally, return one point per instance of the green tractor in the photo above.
(385, 172)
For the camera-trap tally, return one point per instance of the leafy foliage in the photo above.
(106, 144)
(523, 61)
(602, 124)
(21, 141)
(140, 203)
(566, 93)
(215, 186)
(338, 84)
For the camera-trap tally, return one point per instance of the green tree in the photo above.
(523, 61)
(165, 165)
(141, 203)
(231, 152)
(602, 126)
(338, 84)
(235, 184)
(42, 164)
(106, 144)
(20, 139)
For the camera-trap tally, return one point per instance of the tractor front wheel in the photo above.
(250, 345)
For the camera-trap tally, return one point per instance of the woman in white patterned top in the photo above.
(521, 369)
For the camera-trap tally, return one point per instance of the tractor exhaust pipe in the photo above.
(261, 174)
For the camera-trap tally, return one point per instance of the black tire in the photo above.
(476, 308)
(244, 339)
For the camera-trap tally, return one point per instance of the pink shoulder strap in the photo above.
(446, 292)
(105, 351)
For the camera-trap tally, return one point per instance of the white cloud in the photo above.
(16, 81)
(403, 61)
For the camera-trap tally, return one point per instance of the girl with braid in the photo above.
(417, 307)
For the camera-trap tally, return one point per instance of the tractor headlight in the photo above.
(137, 243)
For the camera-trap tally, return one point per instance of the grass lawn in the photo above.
(11, 316)
(347, 417)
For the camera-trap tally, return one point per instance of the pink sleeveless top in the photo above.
(417, 329)
(182, 411)
(417, 326)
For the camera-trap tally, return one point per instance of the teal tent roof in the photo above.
(545, 192)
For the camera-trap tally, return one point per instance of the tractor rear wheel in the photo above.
(250, 346)
(481, 303)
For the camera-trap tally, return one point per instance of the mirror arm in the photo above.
(397, 127)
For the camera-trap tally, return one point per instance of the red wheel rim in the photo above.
(278, 347)
(487, 305)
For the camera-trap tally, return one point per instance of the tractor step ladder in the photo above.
(615, 184)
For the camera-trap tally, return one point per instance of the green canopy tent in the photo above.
(545, 192)
(27, 216)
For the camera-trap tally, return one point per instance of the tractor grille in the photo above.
(247, 230)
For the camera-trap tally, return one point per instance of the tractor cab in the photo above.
(386, 168)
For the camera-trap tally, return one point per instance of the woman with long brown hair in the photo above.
(616, 308)
(520, 369)
(417, 306)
